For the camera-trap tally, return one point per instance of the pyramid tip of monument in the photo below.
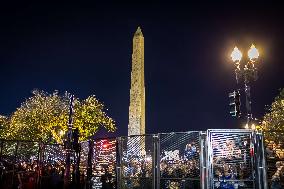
(138, 31)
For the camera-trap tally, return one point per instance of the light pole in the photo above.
(247, 72)
(68, 144)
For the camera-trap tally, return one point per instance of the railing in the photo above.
(103, 163)
(196, 160)
(136, 163)
(231, 159)
(179, 160)
(274, 153)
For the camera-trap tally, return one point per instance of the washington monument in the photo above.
(136, 124)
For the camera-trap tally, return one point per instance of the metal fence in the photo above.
(274, 152)
(103, 163)
(19, 162)
(136, 164)
(179, 160)
(185, 160)
(231, 159)
(51, 165)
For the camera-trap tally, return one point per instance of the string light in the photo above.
(44, 116)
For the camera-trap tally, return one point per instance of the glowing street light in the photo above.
(253, 53)
(246, 71)
(236, 55)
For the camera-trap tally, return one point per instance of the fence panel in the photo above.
(179, 160)
(137, 161)
(84, 157)
(8, 162)
(52, 166)
(274, 152)
(104, 163)
(166, 160)
(27, 164)
(28, 152)
(230, 159)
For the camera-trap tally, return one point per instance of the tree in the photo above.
(45, 116)
(273, 120)
(4, 123)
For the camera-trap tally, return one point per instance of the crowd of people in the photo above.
(137, 170)
(30, 175)
(177, 169)
(22, 175)
(275, 150)
(275, 159)
(103, 177)
(277, 181)
(232, 163)
(232, 176)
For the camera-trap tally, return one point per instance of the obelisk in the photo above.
(136, 124)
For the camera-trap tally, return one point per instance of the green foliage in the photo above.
(45, 116)
(273, 120)
(4, 124)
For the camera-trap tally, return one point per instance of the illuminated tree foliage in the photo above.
(273, 120)
(4, 124)
(45, 116)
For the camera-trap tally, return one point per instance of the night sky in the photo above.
(86, 49)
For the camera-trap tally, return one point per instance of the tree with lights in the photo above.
(273, 120)
(44, 117)
(4, 124)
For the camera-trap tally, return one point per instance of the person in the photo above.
(106, 180)
(187, 148)
(2, 168)
(226, 177)
(189, 151)
(278, 175)
(275, 184)
(193, 149)
(269, 151)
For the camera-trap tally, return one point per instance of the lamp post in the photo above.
(247, 72)
(68, 144)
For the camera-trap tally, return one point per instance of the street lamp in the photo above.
(61, 133)
(236, 55)
(247, 71)
(68, 144)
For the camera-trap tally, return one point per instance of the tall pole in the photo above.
(249, 73)
(248, 103)
(68, 144)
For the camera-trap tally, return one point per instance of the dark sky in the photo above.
(86, 49)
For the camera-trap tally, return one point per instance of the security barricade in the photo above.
(8, 163)
(215, 159)
(83, 164)
(52, 165)
(103, 163)
(230, 159)
(19, 164)
(136, 162)
(27, 155)
(179, 160)
(274, 152)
